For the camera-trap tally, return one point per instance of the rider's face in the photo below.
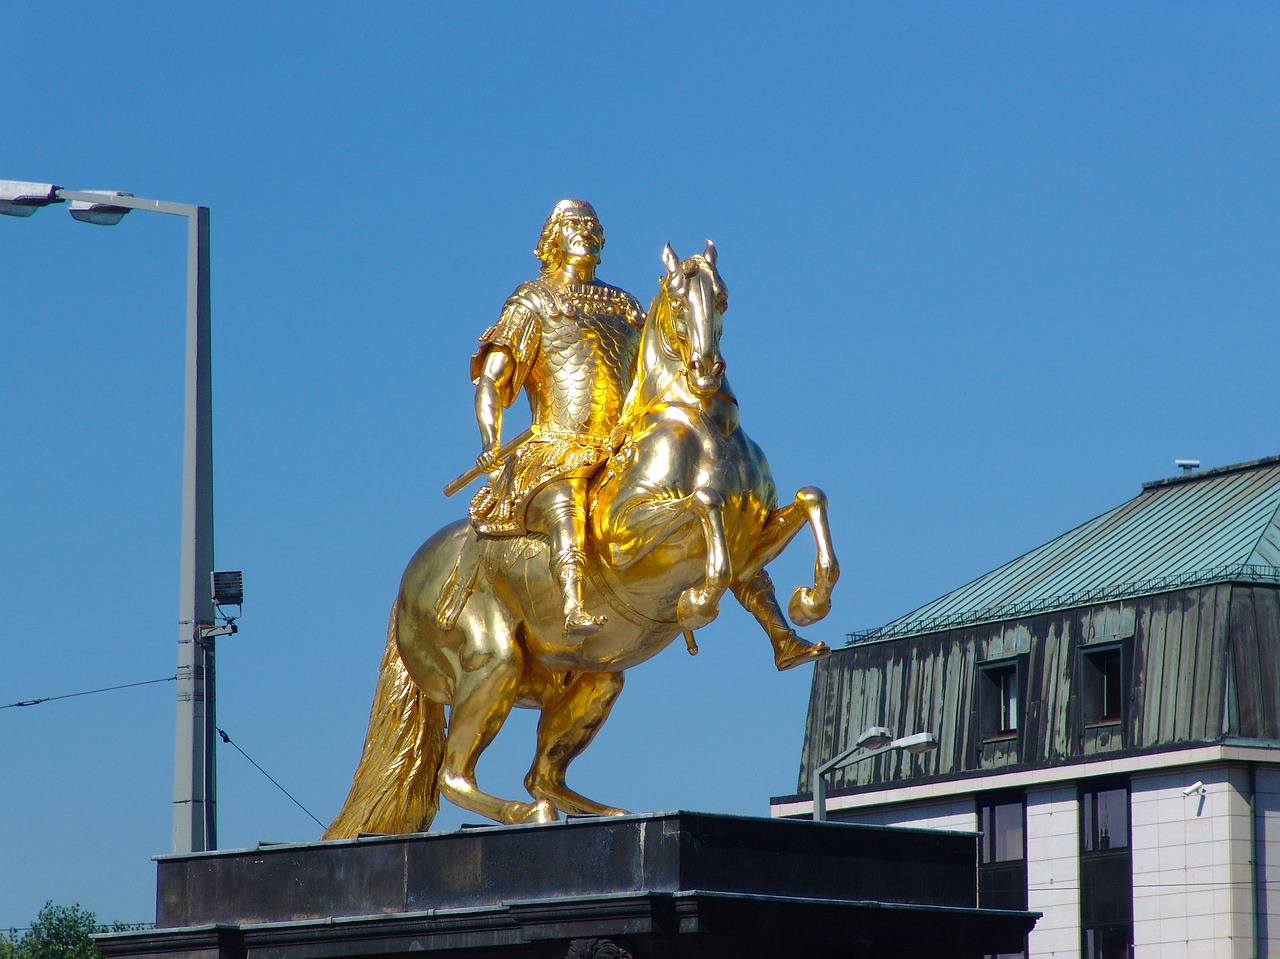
(581, 237)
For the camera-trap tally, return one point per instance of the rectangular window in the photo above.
(1106, 874)
(1106, 820)
(1002, 831)
(1109, 669)
(1002, 874)
(998, 701)
(1103, 679)
(1008, 680)
(1107, 942)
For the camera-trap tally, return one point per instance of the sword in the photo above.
(505, 450)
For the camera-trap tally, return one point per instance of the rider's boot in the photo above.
(789, 650)
(578, 623)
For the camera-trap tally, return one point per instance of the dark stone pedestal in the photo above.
(656, 886)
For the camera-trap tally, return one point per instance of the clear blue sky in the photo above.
(992, 266)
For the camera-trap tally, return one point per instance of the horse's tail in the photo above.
(395, 787)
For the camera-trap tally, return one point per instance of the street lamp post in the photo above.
(194, 786)
(877, 740)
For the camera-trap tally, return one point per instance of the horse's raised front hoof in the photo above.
(516, 813)
(791, 651)
(696, 608)
(806, 608)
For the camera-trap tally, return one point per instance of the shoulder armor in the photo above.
(535, 296)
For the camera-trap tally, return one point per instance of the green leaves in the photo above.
(59, 932)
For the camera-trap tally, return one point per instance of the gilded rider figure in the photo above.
(570, 342)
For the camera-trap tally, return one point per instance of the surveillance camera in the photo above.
(1195, 787)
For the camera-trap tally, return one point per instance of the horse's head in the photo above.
(692, 301)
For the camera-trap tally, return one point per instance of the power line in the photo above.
(117, 926)
(167, 679)
(227, 739)
(88, 692)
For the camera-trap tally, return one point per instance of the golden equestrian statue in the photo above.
(614, 525)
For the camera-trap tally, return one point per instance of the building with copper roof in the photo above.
(1107, 709)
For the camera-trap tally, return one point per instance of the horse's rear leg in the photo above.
(486, 691)
(571, 717)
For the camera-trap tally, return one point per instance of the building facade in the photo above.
(1108, 714)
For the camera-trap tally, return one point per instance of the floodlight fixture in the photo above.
(19, 198)
(101, 213)
(1187, 465)
(228, 588)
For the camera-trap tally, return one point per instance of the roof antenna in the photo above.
(1187, 465)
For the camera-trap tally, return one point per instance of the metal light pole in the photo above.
(878, 741)
(194, 784)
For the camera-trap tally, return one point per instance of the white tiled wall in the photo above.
(1193, 888)
(1053, 871)
(944, 814)
(1192, 872)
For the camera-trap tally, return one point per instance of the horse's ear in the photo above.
(711, 254)
(670, 260)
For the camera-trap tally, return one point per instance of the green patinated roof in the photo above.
(1201, 527)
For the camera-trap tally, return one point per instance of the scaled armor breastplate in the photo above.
(589, 342)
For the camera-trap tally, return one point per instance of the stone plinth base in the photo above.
(653, 886)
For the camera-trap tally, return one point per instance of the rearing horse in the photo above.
(683, 511)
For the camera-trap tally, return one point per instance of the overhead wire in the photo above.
(149, 682)
(227, 739)
(88, 692)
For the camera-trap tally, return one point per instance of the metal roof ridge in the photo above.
(1253, 551)
(1027, 554)
(1095, 561)
(904, 627)
(1196, 476)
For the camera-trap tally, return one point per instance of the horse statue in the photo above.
(684, 510)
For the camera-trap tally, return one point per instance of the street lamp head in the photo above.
(874, 737)
(18, 198)
(103, 213)
(918, 744)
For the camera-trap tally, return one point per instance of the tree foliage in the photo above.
(58, 932)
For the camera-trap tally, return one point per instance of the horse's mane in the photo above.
(659, 324)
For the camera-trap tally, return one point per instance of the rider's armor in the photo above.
(575, 350)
